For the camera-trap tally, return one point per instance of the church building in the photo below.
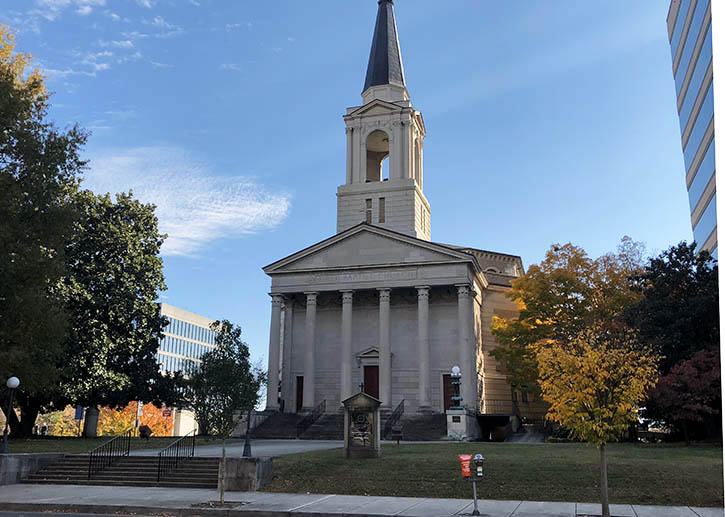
(380, 306)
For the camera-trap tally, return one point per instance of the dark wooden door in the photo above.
(448, 391)
(300, 391)
(372, 379)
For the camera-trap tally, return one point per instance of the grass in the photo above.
(638, 474)
(83, 445)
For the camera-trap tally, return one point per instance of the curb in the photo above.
(159, 511)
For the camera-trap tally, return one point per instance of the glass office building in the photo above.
(690, 32)
(185, 339)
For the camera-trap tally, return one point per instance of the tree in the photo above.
(558, 299)
(595, 384)
(115, 421)
(39, 169)
(677, 314)
(224, 386)
(115, 275)
(689, 394)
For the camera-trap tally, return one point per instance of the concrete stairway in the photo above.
(424, 427)
(278, 426)
(138, 471)
(330, 426)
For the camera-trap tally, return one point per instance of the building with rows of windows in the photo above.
(185, 340)
(690, 31)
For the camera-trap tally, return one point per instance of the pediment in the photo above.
(367, 246)
(369, 353)
(376, 107)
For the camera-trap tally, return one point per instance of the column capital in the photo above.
(384, 293)
(464, 289)
(423, 291)
(311, 297)
(347, 296)
(348, 130)
(277, 299)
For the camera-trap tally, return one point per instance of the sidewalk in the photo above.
(178, 502)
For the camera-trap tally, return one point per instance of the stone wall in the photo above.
(15, 467)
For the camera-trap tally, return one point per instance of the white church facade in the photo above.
(379, 306)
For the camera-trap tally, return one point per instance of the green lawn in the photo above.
(638, 474)
(83, 445)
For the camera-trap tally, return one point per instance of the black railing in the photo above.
(394, 419)
(104, 456)
(176, 452)
(310, 419)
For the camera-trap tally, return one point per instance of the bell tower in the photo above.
(384, 174)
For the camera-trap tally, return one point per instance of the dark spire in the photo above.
(386, 64)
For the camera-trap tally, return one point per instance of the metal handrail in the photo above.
(178, 450)
(394, 419)
(310, 419)
(104, 455)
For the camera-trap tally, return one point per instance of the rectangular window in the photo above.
(692, 35)
(679, 26)
(698, 75)
(706, 224)
(369, 211)
(698, 129)
(381, 208)
(705, 171)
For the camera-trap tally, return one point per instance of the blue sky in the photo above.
(548, 121)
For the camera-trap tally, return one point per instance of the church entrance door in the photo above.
(448, 392)
(300, 390)
(371, 381)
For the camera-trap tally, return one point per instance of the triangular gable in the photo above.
(365, 245)
(375, 107)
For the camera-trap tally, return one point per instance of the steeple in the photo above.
(384, 172)
(385, 67)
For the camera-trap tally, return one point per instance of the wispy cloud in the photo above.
(51, 9)
(161, 65)
(194, 3)
(230, 66)
(145, 3)
(194, 206)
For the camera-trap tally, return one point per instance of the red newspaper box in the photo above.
(465, 465)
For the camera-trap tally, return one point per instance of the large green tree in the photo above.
(114, 277)
(39, 169)
(677, 316)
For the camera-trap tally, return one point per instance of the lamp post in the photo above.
(456, 381)
(12, 384)
(247, 452)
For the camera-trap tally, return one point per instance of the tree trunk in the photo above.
(90, 430)
(28, 415)
(604, 483)
(687, 434)
(223, 480)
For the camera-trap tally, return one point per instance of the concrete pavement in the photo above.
(260, 448)
(180, 502)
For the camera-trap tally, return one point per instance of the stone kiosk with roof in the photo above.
(379, 305)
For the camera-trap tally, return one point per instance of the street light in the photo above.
(12, 384)
(456, 381)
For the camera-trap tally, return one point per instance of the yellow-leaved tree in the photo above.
(594, 384)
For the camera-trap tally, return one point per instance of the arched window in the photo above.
(492, 270)
(418, 171)
(378, 149)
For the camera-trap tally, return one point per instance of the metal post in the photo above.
(475, 501)
(7, 422)
(247, 453)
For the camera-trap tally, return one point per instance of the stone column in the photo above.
(465, 346)
(348, 175)
(404, 150)
(386, 370)
(287, 379)
(308, 394)
(275, 326)
(346, 367)
(423, 350)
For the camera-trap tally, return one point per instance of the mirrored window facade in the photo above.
(184, 342)
(689, 25)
